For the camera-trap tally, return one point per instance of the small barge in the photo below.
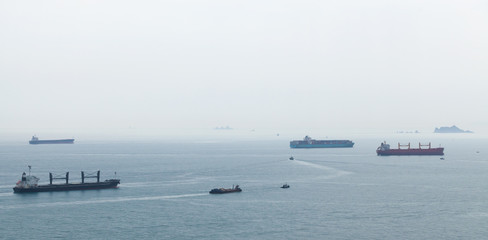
(225, 190)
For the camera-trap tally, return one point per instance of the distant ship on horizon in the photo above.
(223, 128)
(35, 140)
(308, 142)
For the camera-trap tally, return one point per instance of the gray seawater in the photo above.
(334, 193)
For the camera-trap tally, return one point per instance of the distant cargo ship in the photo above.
(385, 150)
(35, 140)
(29, 184)
(308, 142)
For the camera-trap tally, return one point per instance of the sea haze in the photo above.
(345, 193)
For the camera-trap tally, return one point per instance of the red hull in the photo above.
(429, 151)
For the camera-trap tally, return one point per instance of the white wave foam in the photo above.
(334, 172)
(6, 194)
(477, 214)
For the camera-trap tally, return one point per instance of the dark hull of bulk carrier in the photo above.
(58, 141)
(401, 152)
(112, 183)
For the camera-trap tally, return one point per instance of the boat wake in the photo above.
(6, 194)
(334, 172)
(7, 186)
(111, 200)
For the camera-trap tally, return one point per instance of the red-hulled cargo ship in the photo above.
(384, 150)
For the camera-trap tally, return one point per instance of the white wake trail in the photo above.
(122, 199)
(333, 171)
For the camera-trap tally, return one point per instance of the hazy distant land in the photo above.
(452, 129)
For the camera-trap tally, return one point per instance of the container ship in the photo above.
(385, 150)
(28, 183)
(308, 142)
(35, 140)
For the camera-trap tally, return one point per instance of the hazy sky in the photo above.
(301, 66)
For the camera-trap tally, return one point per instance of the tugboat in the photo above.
(285, 185)
(225, 190)
(28, 183)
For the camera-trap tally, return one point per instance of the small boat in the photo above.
(225, 190)
(442, 158)
(292, 158)
(285, 186)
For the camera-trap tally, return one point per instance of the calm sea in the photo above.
(334, 193)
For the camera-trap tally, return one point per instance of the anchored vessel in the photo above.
(28, 183)
(308, 142)
(385, 150)
(225, 190)
(35, 140)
